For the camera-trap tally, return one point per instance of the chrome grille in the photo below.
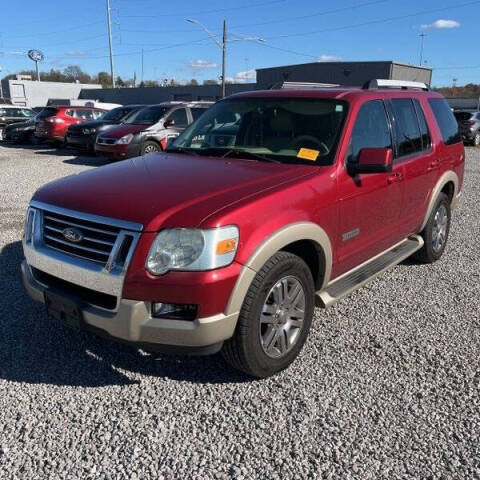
(106, 141)
(97, 240)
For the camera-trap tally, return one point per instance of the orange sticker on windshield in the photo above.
(308, 154)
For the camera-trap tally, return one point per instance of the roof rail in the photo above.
(301, 85)
(401, 84)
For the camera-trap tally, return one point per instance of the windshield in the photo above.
(47, 112)
(147, 116)
(293, 130)
(463, 116)
(116, 114)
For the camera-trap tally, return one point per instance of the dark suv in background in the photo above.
(83, 136)
(11, 114)
(149, 129)
(469, 125)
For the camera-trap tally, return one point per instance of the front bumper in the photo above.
(118, 152)
(80, 141)
(132, 323)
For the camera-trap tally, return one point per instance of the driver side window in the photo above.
(371, 130)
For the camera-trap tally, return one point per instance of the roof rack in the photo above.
(300, 85)
(401, 84)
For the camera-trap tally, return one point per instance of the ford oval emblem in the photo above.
(72, 235)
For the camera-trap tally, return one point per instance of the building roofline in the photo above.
(392, 62)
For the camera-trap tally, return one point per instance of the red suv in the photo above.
(272, 203)
(52, 122)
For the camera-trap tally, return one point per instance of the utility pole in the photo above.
(109, 25)
(142, 68)
(224, 54)
(422, 38)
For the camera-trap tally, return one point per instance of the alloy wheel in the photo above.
(439, 231)
(282, 317)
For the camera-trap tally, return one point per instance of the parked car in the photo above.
(149, 129)
(83, 136)
(469, 124)
(227, 241)
(12, 114)
(21, 132)
(52, 122)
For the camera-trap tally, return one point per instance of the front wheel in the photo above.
(435, 233)
(275, 318)
(150, 147)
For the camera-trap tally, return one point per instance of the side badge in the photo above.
(349, 235)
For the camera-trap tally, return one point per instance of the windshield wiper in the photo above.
(245, 153)
(187, 150)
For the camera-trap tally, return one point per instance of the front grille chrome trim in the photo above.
(126, 225)
(105, 276)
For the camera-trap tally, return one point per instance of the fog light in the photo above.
(174, 311)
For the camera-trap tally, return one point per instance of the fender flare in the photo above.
(284, 236)
(449, 176)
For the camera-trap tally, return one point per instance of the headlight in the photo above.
(125, 140)
(192, 249)
(89, 131)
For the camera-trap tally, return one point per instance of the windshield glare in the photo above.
(116, 114)
(147, 116)
(302, 130)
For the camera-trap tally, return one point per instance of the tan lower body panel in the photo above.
(132, 321)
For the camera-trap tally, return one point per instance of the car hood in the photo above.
(28, 123)
(167, 190)
(124, 129)
(91, 124)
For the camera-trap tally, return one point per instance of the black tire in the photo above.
(244, 350)
(476, 139)
(428, 254)
(150, 147)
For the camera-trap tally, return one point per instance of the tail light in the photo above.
(470, 122)
(55, 120)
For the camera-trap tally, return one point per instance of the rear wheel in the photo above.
(435, 233)
(150, 147)
(275, 318)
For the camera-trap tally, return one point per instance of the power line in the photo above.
(55, 32)
(205, 12)
(373, 22)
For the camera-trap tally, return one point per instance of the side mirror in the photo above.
(169, 123)
(374, 160)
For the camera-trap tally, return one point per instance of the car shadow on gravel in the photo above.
(36, 350)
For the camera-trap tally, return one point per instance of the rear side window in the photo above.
(446, 121)
(407, 130)
(179, 116)
(371, 130)
(196, 112)
(422, 123)
(84, 114)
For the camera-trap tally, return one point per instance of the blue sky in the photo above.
(295, 31)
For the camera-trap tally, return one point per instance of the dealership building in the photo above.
(32, 94)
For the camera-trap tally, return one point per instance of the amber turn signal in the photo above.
(226, 246)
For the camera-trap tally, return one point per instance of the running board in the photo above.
(369, 270)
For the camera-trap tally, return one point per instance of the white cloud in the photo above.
(247, 76)
(328, 58)
(441, 24)
(201, 64)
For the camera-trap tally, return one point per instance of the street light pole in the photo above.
(224, 54)
(109, 26)
(223, 44)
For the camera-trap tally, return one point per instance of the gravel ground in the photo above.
(386, 387)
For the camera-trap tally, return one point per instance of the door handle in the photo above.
(395, 177)
(433, 164)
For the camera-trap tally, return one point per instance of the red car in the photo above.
(272, 203)
(52, 122)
